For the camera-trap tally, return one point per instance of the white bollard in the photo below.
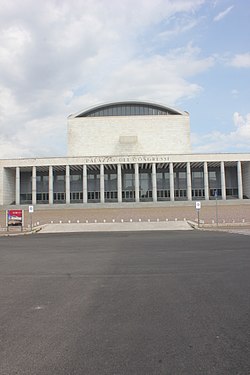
(139, 220)
(176, 219)
(157, 220)
(77, 221)
(130, 220)
(60, 222)
(51, 222)
(69, 221)
(121, 220)
(113, 220)
(149, 220)
(167, 219)
(104, 221)
(95, 221)
(87, 221)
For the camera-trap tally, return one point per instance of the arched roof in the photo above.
(128, 108)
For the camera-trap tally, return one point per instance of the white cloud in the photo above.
(161, 78)
(241, 60)
(181, 27)
(234, 141)
(26, 141)
(223, 14)
(59, 57)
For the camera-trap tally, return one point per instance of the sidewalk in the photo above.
(115, 227)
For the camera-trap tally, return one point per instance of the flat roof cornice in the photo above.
(123, 159)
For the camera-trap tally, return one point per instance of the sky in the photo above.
(58, 57)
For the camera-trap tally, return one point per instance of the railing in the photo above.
(111, 196)
(128, 195)
(163, 194)
(198, 193)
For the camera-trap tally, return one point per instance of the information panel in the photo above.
(14, 217)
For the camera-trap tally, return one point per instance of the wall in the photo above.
(133, 135)
(1, 185)
(8, 185)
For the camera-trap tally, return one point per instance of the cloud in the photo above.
(159, 77)
(223, 14)
(180, 27)
(234, 93)
(241, 60)
(235, 141)
(59, 57)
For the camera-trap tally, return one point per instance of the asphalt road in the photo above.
(125, 303)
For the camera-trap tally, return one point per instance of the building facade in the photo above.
(125, 152)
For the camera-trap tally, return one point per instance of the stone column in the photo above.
(34, 185)
(171, 180)
(119, 183)
(189, 182)
(102, 186)
(17, 185)
(223, 180)
(239, 175)
(51, 181)
(85, 183)
(154, 182)
(137, 183)
(67, 184)
(206, 182)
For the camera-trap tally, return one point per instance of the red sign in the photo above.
(14, 217)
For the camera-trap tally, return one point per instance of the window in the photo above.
(129, 109)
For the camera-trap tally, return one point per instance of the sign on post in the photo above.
(31, 210)
(198, 205)
(14, 217)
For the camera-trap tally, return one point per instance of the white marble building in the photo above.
(125, 152)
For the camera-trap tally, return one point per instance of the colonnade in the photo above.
(136, 182)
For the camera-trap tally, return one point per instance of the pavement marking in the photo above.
(38, 308)
(245, 232)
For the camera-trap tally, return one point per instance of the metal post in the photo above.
(216, 205)
(31, 222)
(217, 212)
